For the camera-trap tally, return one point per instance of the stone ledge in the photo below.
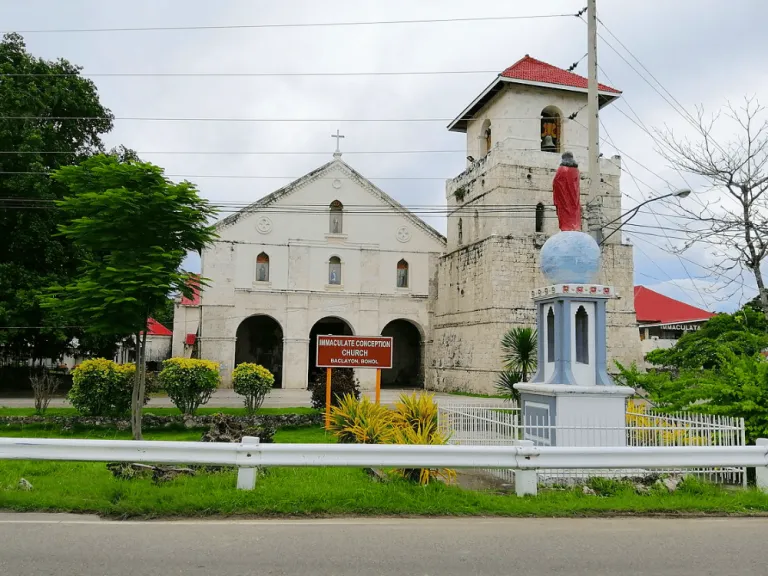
(150, 421)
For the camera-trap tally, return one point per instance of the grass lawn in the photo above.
(161, 411)
(90, 487)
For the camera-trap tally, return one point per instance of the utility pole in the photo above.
(593, 125)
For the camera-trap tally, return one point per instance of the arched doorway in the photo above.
(260, 340)
(407, 368)
(330, 325)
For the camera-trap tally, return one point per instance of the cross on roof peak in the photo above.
(338, 136)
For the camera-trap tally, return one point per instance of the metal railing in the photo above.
(494, 425)
(524, 458)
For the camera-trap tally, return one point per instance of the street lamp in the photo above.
(678, 194)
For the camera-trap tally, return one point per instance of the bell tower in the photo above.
(500, 213)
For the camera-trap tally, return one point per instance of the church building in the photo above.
(315, 258)
(329, 253)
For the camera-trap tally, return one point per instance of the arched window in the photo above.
(402, 274)
(461, 232)
(551, 129)
(336, 219)
(539, 217)
(334, 270)
(550, 336)
(262, 268)
(582, 336)
(485, 134)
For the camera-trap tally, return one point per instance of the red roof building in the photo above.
(195, 300)
(531, 72)
(154, 328)
(663, 320)
(654, 308)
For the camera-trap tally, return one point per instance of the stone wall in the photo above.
(484, 289)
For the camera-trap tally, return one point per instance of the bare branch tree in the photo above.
(736, 225)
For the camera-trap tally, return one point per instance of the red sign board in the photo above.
(354, 352)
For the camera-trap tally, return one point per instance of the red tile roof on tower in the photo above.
(195, 300)
(532, 70)
(154, 328)
(654, 308)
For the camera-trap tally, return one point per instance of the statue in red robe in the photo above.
(565, 188)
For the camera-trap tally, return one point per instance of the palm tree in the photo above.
(519, 355)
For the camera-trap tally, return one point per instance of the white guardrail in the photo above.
(524, 458)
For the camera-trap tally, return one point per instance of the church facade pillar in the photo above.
(296, 343)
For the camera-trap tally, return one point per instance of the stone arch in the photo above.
(336, 217)
(539, 217)
(407, 354)
(402, 274)
(335, 271)
(486, 135)
(259, 339)
(327, 325)
(262, 267)
(582, 335)
(551, 129)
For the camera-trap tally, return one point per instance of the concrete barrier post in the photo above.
(761, 472)
(526, 480)
(246, 475)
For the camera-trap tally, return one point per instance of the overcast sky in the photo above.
(702, 52)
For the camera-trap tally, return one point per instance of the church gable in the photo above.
(332, 202)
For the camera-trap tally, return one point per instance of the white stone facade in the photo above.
(301, 243)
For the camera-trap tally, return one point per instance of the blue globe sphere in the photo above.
(570, 257)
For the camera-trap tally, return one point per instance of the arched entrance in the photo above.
(407, 370)
(260, 340)
(330, 325)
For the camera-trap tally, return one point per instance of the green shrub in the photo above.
(189, 382)
(102, 388)
(343, 382)
(254, 382)
(361, 421)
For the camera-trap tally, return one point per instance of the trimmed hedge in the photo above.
(102, 387)
(189, 382)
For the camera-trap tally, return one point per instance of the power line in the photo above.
(710, 272)
(251, 152)
(263, 120)
(686, 115)
(287, 25)
(659, 223)
(80, 74)
(260, 177)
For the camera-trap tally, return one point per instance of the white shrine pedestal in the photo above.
(573, 415)
(572, 400)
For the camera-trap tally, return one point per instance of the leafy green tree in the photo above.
(743, 333)
(136, 227)
(519, 355)
(32, 257)
(717, 370)
(164, 313)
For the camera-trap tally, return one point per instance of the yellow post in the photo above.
(327, 398)
(378, 386)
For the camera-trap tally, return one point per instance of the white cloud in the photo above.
(686, 44)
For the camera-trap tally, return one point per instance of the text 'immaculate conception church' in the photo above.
(306, 260)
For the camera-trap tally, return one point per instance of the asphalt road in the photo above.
(63, 545)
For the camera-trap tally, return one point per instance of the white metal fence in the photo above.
(524, 458)
(495, 425)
